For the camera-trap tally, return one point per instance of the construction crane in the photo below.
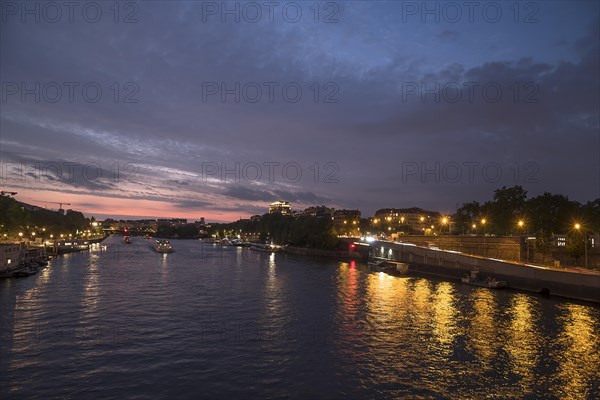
(54, 202)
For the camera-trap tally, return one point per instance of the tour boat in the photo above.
(163, 246)
(490, 282)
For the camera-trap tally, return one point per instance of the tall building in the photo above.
(282, 207)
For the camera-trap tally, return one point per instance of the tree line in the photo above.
(17, 217)
(303, 231)
(546, 213)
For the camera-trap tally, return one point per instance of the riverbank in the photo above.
(574, 284)
(532, 285)
(312, 252)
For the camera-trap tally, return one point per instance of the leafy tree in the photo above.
(550, 212)
(465, 216)
(544, 243)
(575, 245)
(507, 207)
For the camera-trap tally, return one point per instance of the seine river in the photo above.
(122, 321)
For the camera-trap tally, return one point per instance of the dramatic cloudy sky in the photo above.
(398, 108)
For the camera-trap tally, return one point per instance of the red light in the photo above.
(352, 245)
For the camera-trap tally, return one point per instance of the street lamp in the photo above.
(578, 228)
(445, 221)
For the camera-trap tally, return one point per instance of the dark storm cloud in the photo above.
(243, 193)
(60, 173)
(302, 197)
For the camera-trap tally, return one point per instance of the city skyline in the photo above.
(159, 113)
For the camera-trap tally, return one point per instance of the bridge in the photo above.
(579, 284)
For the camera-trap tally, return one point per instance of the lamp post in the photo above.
(445, 221)
(578, 228)
(521, 224)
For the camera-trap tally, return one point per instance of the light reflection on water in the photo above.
(228, 322)
(578, 352)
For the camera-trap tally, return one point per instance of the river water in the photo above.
(122, 321)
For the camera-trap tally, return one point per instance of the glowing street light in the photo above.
(577, 227)
(445, 221)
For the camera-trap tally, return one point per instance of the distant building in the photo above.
(411, 219)
(172, 221)
(10, 254)
(347, 222)
(319, 212)
(282, 207)
(255, 218)
(559, 240)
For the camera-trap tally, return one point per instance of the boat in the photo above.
(126, 240)
(163, 246)
(490, 282)
(146, 236)
(9, 273)
(381, 265)
(27, 271)
(399, 267)
(266, 248)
